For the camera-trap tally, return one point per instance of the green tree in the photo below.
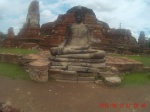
(148, 43)
(2, 35)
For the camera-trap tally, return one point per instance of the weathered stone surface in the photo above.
(142, 40)
(30, 32)
(29, 46)
(94, 65)
(77, 60)
(25, 60)
(53, 63)
(112, 40)
(10, 58)
(63, 75)
(113, 80)
(38, 71)
(124, 64)
(146, 69)
(33, 16)
(93, 70)
(7, 107)
(107, 74)
(89, 79)
(10, 40)
(100, 65)
(85, 74)
(10, 33)
(78, 68)
(96, 55)
(75, 52)
(59, 67)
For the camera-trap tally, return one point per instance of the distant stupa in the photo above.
(33, 16)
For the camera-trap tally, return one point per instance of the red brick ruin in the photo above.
(52, 33)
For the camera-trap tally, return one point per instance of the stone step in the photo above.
(115, 80)
(84, 64)
(56, 59)
(59, 67)
(63, 75)
(86, 79)
(78, 68)
(85, 74)
(95, 55)
(107, 74)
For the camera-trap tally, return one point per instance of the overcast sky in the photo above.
(132, 14)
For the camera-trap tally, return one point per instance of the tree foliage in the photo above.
(2, 35)
(148, 43)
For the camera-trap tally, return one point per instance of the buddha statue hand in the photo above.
(82, 47)
(60, 49)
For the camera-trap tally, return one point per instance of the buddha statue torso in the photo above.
(79, 35)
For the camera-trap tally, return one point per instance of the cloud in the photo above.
(47, 15)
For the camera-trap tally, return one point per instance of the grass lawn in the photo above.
(13, 71)
(144, 59)
(136, 78)
(18, 51)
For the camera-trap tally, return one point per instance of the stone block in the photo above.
(93, 70)
(59, 67)
(54, 71)
(77, 60)
(85, 74)
(86, 79)
(96, 55)
(113, 80)
(107, 73)
(78, 68)
(100, 65)
(65, 75)
(38, 71)
(10, 58)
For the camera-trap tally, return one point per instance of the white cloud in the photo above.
(46, 16)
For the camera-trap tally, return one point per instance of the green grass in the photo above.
(143, 59)
(18, 51)
(136, 79)
(13, 71)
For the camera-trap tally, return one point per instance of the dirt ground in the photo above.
(73, 97)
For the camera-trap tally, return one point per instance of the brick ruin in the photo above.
(52, 33)
(111, 40)
(29, 34)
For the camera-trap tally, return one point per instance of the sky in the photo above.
(132, 14)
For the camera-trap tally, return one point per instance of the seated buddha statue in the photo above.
(77, 42)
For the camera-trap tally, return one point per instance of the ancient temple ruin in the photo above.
(29, 34)
(75, 60)
(51, 34)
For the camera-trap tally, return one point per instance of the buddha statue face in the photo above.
(78, 16)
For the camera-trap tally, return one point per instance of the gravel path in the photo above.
(73, 97)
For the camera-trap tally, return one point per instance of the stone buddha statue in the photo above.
(78, 40)
(75, 59)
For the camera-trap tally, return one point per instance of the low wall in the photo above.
(10, 58)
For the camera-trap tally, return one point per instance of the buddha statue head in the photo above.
(79, 15)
